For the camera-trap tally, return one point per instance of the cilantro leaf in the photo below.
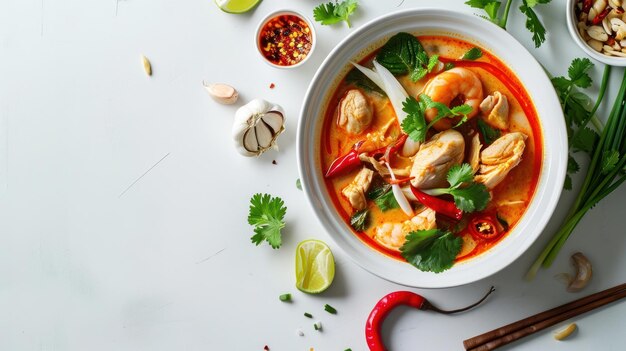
(332, 13)
(386, 201)
(414, 124)
(431, 250)
(490, 6)
(585, 139)
(489, 134)
(266, 215)
(472, 198)
(567, 185)
(472, 54)
(572, 165)
(459, 174)
(359, 220)
(609, 161)
(577, 72)
(533, 24)
(532, 3)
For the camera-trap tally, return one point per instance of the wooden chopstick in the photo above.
(532, 324)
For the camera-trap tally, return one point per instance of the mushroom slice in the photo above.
(355, 112)
(474, 154)
(495, 109)
(355, 191)
(499, 158)
(435, 158)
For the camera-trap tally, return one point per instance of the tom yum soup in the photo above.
(431, 150)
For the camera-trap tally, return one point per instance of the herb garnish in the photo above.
(266, 215)
(472, 197)
(533, 24)
(415, 123)
(334, 12)
(489, 134)
(359, 79)
(431, 250)
(472, 54)
(359, 220)
(404, 54)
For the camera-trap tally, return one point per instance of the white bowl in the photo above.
(280, 13)
(474, 30)
(573, 31)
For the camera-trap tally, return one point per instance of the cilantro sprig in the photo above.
(468, 195)
(431, 250)
(533, 23)
(267, 216)
(335, 12)
(414, 124)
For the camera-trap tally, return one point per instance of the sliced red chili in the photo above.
(446, 208)
(484, 227)
(587, 5)
(399, 181)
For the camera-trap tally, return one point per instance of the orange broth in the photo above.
(510, 198)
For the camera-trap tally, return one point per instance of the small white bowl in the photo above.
(280, 13)
(573, 31)
(485, 34)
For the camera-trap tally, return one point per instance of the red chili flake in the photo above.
(272, 85)
(274, 162)
(266, 348)
(285, 40)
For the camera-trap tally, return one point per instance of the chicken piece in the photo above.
(355, 191)
(355, 112)
(474, 154)
(393, 235)
(495, 109)
(433, 161)
(499, 158)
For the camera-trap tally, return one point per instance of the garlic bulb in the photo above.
(257, 125)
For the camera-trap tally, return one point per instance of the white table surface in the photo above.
(168, 264)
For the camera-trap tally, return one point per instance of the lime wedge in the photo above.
(236, 6)
(315, 266)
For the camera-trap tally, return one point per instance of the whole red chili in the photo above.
(446, 208)
(599, 17)
(351, 160)
(587, 5)
(391, 301)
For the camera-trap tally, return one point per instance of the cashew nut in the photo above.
(565, 332)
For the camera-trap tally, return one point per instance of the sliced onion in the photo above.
(399, 195)
(373, 76)
(394, 90)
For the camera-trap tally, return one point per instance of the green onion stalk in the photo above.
(603, 175)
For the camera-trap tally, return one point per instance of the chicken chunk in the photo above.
(393, 235)
(495, 109)
(355, 112)
(474, 153)
(434, 159)
(499, 158)
(355, 191)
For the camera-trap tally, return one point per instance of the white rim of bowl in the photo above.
(275, 14)
(573, 31)
(546, 194)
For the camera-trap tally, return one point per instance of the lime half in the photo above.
(315, 266)
(236, 6)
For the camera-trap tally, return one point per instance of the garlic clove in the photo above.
(222, 93)
(274, 120)
(264, 135)
(250, 142)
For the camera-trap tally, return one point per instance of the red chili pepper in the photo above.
(446, 208)
(399, 181)
(391, 301)
(484, 227)
(599, 17)
(587, 5)
(351, 160)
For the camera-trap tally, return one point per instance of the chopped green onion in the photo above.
(330, 309)
(347, 350)
(308, 315)
(285, 297)
(317, 325)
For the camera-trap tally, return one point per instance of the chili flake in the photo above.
(272, 86)
(285, 40)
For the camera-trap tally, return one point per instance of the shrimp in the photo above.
(393, 235)
(456, 84)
